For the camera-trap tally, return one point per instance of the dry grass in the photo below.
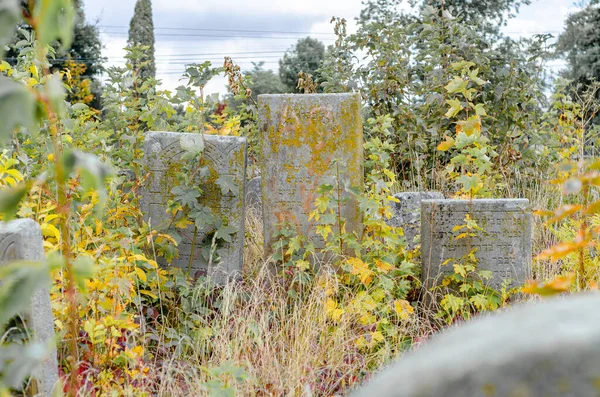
(290, 347)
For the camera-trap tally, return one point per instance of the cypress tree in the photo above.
(141, 32)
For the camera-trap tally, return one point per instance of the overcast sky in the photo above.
(188, 31)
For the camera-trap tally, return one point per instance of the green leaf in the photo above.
(227, 184)
(192, 143)
(93, 172)
(17, 107)
(479, 110)
(83, 269)
(480, 302)
(456, 85)
(186, 196)
(20, 281)
(9, 16)
(55, 21)
(455, 107)
(10, 198)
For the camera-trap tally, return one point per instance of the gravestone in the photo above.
(547, 349)
(254, 195)
(223, 155)
(407, 213)
(22, 240)
(503, 247)
(308, 140)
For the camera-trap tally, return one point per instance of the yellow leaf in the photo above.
(377, 336)
(561, 250)
(360, 269)
(383, 266)
(447, 144)
(558, 285)
(141, 274)
(303, 265)
(50, 230)
(403, 308)
(150, 294)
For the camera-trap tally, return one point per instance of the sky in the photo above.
(193, 31)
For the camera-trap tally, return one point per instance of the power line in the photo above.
(215, 37)
(222, 30)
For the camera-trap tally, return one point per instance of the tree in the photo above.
(264, 81)
(306, 56)
(86, 47)
(141, 33)
(83, 58)
(493, 12)
(580, 44)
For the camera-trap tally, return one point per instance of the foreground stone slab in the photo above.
(222, 155)
(22, 240)
(407, 213)
(308, 140)
(504, 247)
(254, 195)
(548, 349)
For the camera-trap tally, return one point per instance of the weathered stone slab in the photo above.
(547, 349)
(22, 240)
(407, 213)
(254, 195)
(302, 136)
(222, 155)
(504, 247)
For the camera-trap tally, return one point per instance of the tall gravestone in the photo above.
(22, 240)
(223, 155)
(254, 195)
(307, 140)
(503, 247)
(549, 349)
(407, 213)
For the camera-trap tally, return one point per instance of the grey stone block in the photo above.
(407, 213)
(254, 195)
(547, 349)
(22, 240)
(308, 140)
(503, 247)
(222, 155)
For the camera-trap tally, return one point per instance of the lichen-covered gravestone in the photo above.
(549, 349)
(407, 213)
(254, 195)
(307, 141)
(503, 247)
(222, 155)
(22, 240)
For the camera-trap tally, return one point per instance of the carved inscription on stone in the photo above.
(503, 247)
(407, 213)
(307, 141)
(222, 156)
(22, 240)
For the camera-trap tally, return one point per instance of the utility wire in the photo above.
(222, 30)
(216, 37)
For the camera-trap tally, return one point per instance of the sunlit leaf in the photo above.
(559, 285)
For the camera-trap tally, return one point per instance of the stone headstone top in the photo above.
(407, 213)
(22, 240)
(223, 155)
(503, 247)
(307, 141)
(547, 349)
